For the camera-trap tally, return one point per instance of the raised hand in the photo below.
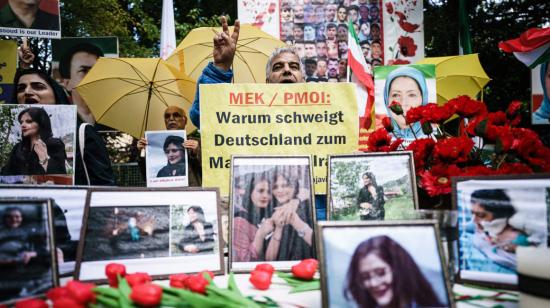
(225, 45)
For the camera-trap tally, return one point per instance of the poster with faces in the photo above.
(166, 159)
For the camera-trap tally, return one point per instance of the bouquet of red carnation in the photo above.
(486, 143)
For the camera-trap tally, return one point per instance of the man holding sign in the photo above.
(283, 66)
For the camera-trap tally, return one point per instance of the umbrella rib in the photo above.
(150, 89)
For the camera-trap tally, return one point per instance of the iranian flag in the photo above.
(362, 78)
(532, 47)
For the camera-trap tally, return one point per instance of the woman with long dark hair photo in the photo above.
(38, 152)
(370, 199)
(198, 235)
(383, 274)
(292, 219)
(251, 224)
(175, 157)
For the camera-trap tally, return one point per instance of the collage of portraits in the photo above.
(318, 29)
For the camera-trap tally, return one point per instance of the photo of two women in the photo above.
(272, 213)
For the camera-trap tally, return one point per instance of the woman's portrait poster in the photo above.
(376, 265)
(37, 144)
(540, 94)
(495, 217)
(271, 211)
(164, 230)
(68, 209)
(374, 186)
(409, 85)
(27, 254)
(166, 159)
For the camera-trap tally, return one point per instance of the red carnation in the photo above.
(380, 141)
(386, 122)
(466, 107)
(514, 168)
(389, 8)
(453, 150)
(422, 149)
(437, 114)
(497, 118)
(513, 109)
(407, 46)
(478, 170)
(414, 114)
(437, 180)
(396, 107)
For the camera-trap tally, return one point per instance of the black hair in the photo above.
(66, 59)
(175, 140)
(495, 201)
(41, 117)
(59, 93)
(370, 175)
(197, 209)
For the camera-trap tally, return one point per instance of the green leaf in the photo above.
(232, 284)
(106, 291)
(124, 289)
(307, 286)
(106, 301)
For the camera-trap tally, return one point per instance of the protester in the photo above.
(38, 152)
(27, 14)
(36, 87)
(176, 119)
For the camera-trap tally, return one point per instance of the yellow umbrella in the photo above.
(457, 75)
(130, 94)
(253, 49)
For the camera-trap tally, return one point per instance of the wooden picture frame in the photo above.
(496, 214)
(139, 228)
(31, 270)
(352, 253)
(391, 174)
(259, 185)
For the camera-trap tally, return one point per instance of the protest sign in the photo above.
(275, 119)
(8, 66)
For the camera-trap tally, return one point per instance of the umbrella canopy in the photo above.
(253, 49)
(457, 75)
(131, 94)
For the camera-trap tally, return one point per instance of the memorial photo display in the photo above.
(164, 230)
(496, 216)
(372, 186)
(376, 264)
(271, 211)
(28, 265)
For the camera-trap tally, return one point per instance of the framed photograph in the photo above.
(272, 215)
(28, 266)
(166, 231)
(375, 264)
(166, 159)
(37, 144)
(67, 204)
(540, 95)
(496, 215)
(372, 186)
(41, 18)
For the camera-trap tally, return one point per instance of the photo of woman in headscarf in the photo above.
(198, 235)
(292, 219)
(383, 274)
(175, 156)
(407, 86)
(38, 152)
(542, 114)
(252, 224)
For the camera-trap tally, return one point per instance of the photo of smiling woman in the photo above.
(383, 274)
(38, 152)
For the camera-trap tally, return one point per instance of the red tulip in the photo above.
(266, 267)
(147, 294)
(261, 280)
(56, 293)
(31, 303)
(178, 280)
(210, 273)
(112, 271)
(386, 122)
(305, 269)
(138, 278)
(67, 302)
(81, 292)
(197, 283)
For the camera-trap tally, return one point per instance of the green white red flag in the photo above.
(532, 47)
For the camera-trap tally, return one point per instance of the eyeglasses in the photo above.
(175, 115)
